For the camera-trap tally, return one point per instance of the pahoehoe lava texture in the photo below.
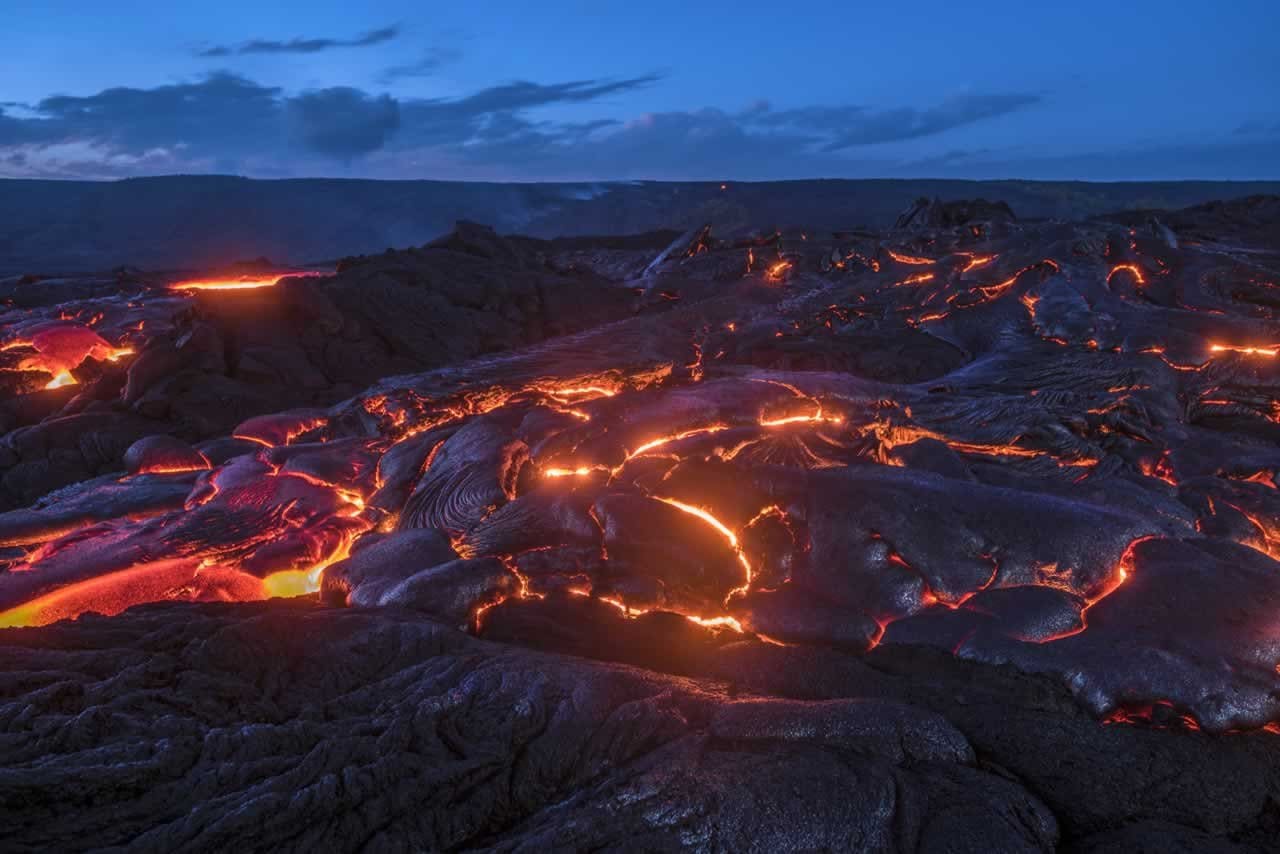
(959, 536)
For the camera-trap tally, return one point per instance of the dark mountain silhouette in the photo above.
(183, 222)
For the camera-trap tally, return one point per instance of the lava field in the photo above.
(959, 536)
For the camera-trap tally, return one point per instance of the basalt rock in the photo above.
(961, 535)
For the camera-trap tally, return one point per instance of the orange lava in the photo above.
(586, 470)
(1144, 714)
(891, 436)
(577, 394)
(1124, 567)
(186, 579)
(60, 379)
(1270, 351)
(61, 347)
(675, 437)
(580, 471)
(724, 530)
(630, 612)
(818, 417)
(1132, 269)
(976, 261)
(993, 291)
(108, 594)
(243, 283)
(116, 591)
(1159, 469)
(908, 259)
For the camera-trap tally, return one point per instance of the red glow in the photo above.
(242, 283)
(724, 531)
(976, 261)
(1132, 269)
(908, 259)
(60, 379)
(107, 594)
(1270, 351)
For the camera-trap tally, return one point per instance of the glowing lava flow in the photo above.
(61, 347)
(288, 583)
(976, 261)
(725, 531)
(580, 471)
(1270, 351)
(631, 613)
(1133, 269)
(60, 379)
(817, 418)
(243, 283)
(1124, 568)
(65, 377)
(776, 271)
(908, 259)
(584, 470)
(675, 437)
(107, 594)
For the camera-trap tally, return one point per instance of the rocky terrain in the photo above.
(185, 222)
(954, 534)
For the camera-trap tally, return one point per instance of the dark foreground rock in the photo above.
(291, 727)
(961, 536)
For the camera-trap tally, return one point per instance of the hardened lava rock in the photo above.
(959, 536)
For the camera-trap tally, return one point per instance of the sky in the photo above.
(625, 90)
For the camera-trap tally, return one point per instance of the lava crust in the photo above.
(962, 535)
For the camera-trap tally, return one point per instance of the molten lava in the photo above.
(59, 347)
(1269, 351)
(914, 260)
(724, 530)
(568, 466)
(241, 283)
(60, 379)
(1132, 269)
(976, 261)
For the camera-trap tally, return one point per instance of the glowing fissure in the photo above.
(976, 261)
(1132, 269)
(913, 260)
(240, 283)
(632, 612)
(776, 270)
(1270, 351)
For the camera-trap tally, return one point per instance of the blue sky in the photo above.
(625, 90)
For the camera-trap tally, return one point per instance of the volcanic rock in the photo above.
(956, 536)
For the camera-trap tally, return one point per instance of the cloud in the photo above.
(220, 112)
(756, 142)
(300, 45)
(431, 61)
(229, 123)
(227, 118)
(1257, 126)
(493, 114)
(847, 127)
(1222, 159)
(343, 122)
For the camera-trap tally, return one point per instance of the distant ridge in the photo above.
(192, 222)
